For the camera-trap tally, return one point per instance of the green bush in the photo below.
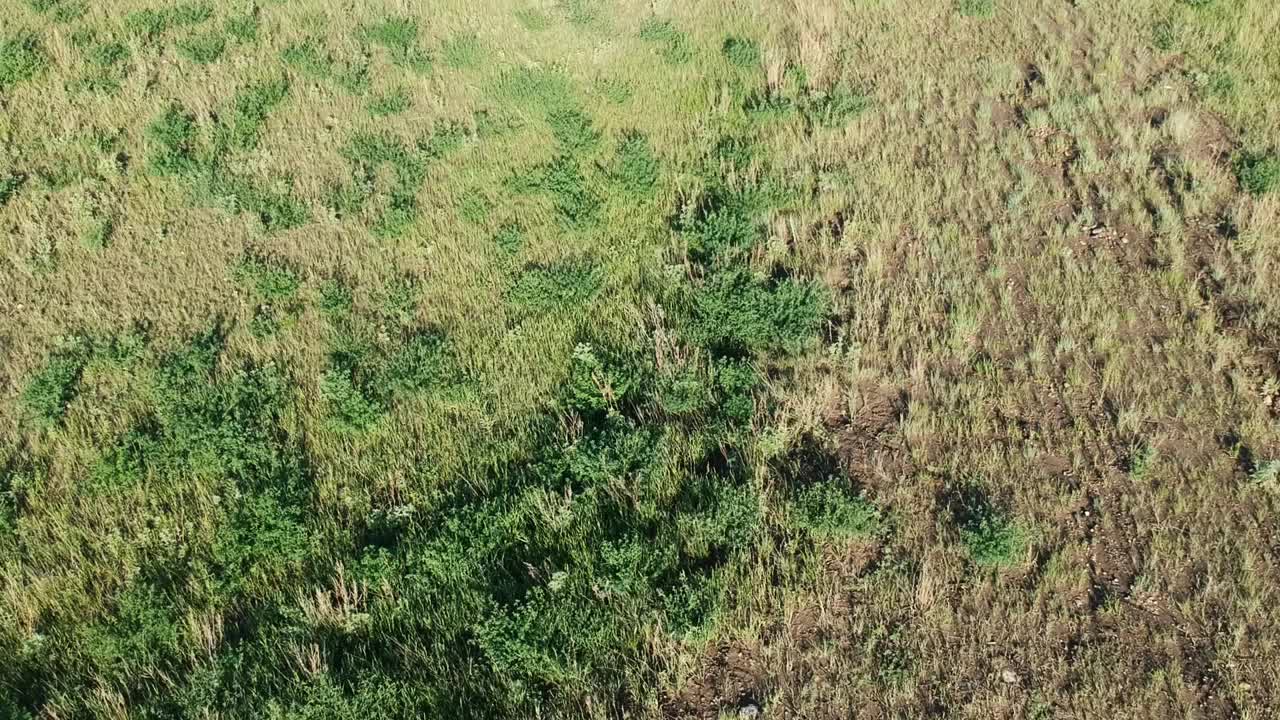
(827, 509)
(735, 313)
(1258, 173)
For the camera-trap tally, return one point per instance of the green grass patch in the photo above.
(150, 24)
(635, 168)
(462, 52)
(674, 45)
(827, 509)
(545, 289)
(580, 12)
(976, 8)
(203, 48)
(741, 52)
(54, 386)
(1258, 173)
(399, 36)
(391, 102)
(21, 58)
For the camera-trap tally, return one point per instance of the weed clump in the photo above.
(635, 168)
(204, 48)
(399, 36)
(741, 52)
(10, 183)
(577, 205)
(976, 8)
(675, 46)
(151, 24)
(1258, 173)
(312, 60)
(55, 385)
(392, 102)
(462, 52)
(992, 538)
(544, 289)
(735, 313)
(21, 58)
(826, 509)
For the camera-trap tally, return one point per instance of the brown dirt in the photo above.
(731, 675)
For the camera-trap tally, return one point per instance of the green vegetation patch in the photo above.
(828, 509)
(462, 52)
(674, 45)
(55, 385)
(391, 102)
(150, 24)
(1258, 173)
(180, 150)
(311, 59)
(741, 52)
(543, 289)
(399, 36)
(203, 48)
(21, 58)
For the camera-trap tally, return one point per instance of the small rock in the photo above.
(1009, 677)
(749, 712)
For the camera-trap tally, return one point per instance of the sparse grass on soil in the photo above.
(589, 359)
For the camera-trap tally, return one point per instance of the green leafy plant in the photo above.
(828, 509)
(1258, 173)
(21, 58)
(635, 168)
(54, 386)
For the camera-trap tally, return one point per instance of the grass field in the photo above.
(617, 359)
